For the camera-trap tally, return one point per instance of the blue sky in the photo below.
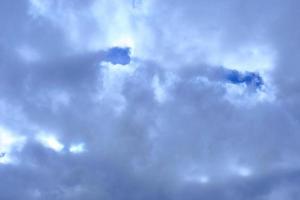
(149, 99)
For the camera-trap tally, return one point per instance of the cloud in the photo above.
(10, 143)
(149, 100)
(50, 141)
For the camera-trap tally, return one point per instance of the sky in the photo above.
(149, 99)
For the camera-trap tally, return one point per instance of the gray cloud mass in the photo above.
(149, 99)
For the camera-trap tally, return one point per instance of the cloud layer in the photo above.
(148, 99)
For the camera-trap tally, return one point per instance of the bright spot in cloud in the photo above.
(242, 171)
(203, 179)
(50, 141)
(9, 142)
(199, 178)
(77, 148)
(256, 58)
(123, 42)
(159, 91)
(28, 54)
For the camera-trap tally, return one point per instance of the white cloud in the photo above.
(50, 141)
(240, 95)
(10, 142)
(77, 148)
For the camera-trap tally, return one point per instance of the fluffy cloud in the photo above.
(149, 99)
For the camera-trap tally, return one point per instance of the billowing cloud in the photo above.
(148, 99)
